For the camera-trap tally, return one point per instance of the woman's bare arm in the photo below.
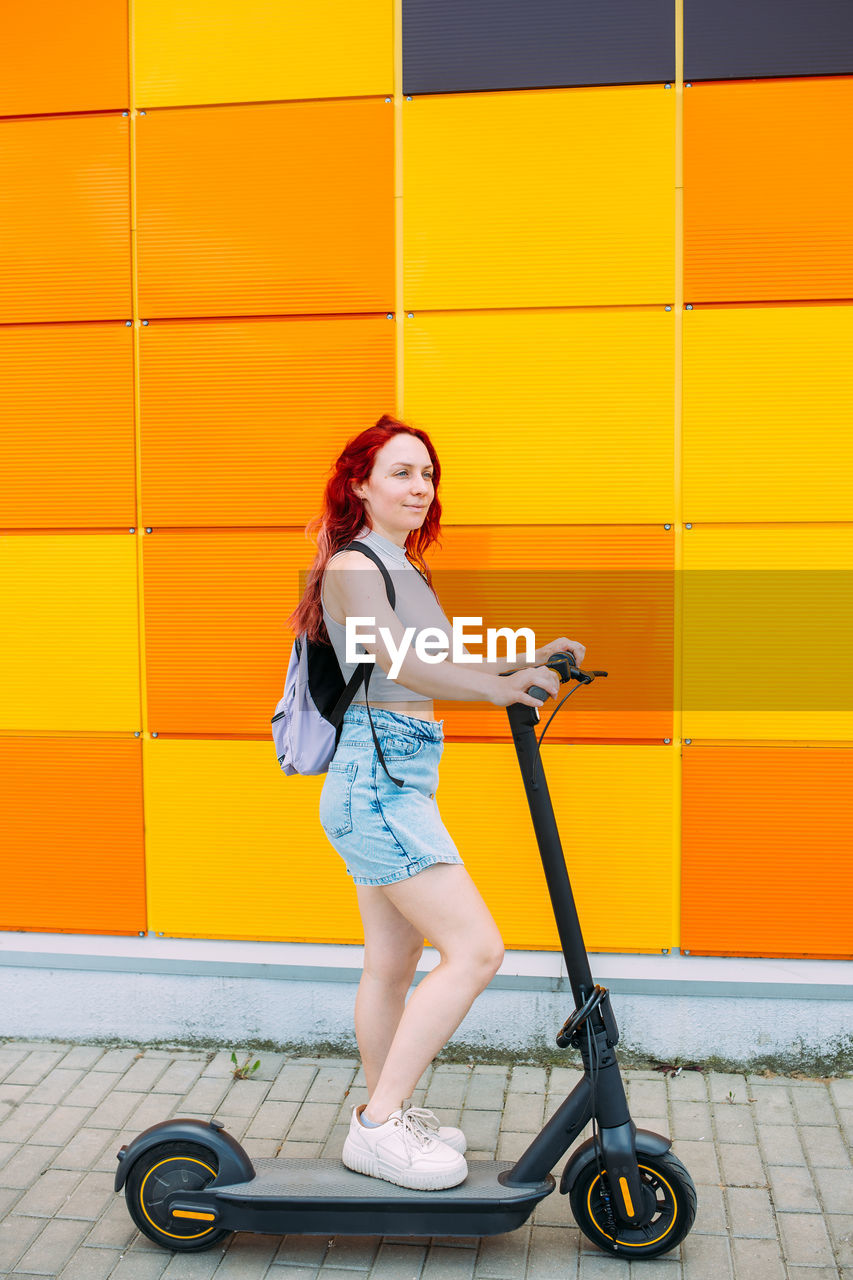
(360, 588)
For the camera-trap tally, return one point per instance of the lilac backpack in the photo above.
(306, 727)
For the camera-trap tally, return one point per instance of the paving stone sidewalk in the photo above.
(771, 1157)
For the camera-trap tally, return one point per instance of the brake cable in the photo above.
(544, 731)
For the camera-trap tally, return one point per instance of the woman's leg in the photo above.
(392, 948)
(443, 904)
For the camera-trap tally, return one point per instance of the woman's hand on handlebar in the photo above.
(513, 688)
(561, 645)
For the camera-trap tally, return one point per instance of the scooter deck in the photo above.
(316, 1197)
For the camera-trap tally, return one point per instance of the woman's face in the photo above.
(400, 488)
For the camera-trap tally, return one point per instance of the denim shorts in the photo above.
(383, 832)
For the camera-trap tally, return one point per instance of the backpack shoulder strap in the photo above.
(366, 551)
(364, 670)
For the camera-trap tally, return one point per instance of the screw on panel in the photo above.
(667, 86)
(142, 113)
(664, 951)
(667, 741)
(687, 741)
(390, 315)
(124, 113)
(149, 530)
(387, 99)
(689, 306)
(128, 323)
(131, 531)
(155, 735)
(411, 315)
(408, 97)
(688, 526)
(689, 84)
(144, 321)
(667, 526)
(667, 307)
(141, 933)
(136, 733)
(685, 953)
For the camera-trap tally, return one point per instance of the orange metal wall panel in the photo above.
(611, 587)
(65, 218)
(216, 641)
(266, 209)
(768, 190)
(71, 831)
(240, 418)
(56, 56)
(767, 864)
(67, 449)
(215, 605)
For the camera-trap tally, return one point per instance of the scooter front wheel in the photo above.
(164, 1169)
(665, 1178)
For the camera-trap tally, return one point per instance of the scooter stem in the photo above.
(522, 719)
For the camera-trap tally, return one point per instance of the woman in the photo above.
(409, 877)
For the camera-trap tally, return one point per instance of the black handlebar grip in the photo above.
(536, 692)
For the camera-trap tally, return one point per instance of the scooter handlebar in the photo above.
(566, 668)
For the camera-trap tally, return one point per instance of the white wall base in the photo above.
(790, 1014)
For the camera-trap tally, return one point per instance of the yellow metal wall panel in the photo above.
(215, 635)
(69, 639)
(56, 56)
(234, 850)
(198, 51)
(768, 189)
(67, 452)
(768, 632)
(240, 418)
(266, 209)
(610, 587)
(71, 833)
(621, 857)
(594, 386)
(65, 218)
(558, 197)
(768, 399)
(769, 872)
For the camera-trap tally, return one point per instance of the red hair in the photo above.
(344, 515)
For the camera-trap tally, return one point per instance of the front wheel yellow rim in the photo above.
(648, 1241)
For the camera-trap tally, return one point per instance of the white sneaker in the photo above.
(403, 1152)
(454, 1138)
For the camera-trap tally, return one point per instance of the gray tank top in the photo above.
(416, 606)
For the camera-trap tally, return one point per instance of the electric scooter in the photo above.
(188, 1183)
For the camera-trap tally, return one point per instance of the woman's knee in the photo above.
(394, 967)
(482, 954)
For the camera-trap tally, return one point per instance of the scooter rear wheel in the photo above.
(169, 1167)
(665, 1178)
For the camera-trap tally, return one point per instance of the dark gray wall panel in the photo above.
(454, 46)
(737, 39)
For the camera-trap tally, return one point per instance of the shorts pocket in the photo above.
(399, 746)
(336, 798)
